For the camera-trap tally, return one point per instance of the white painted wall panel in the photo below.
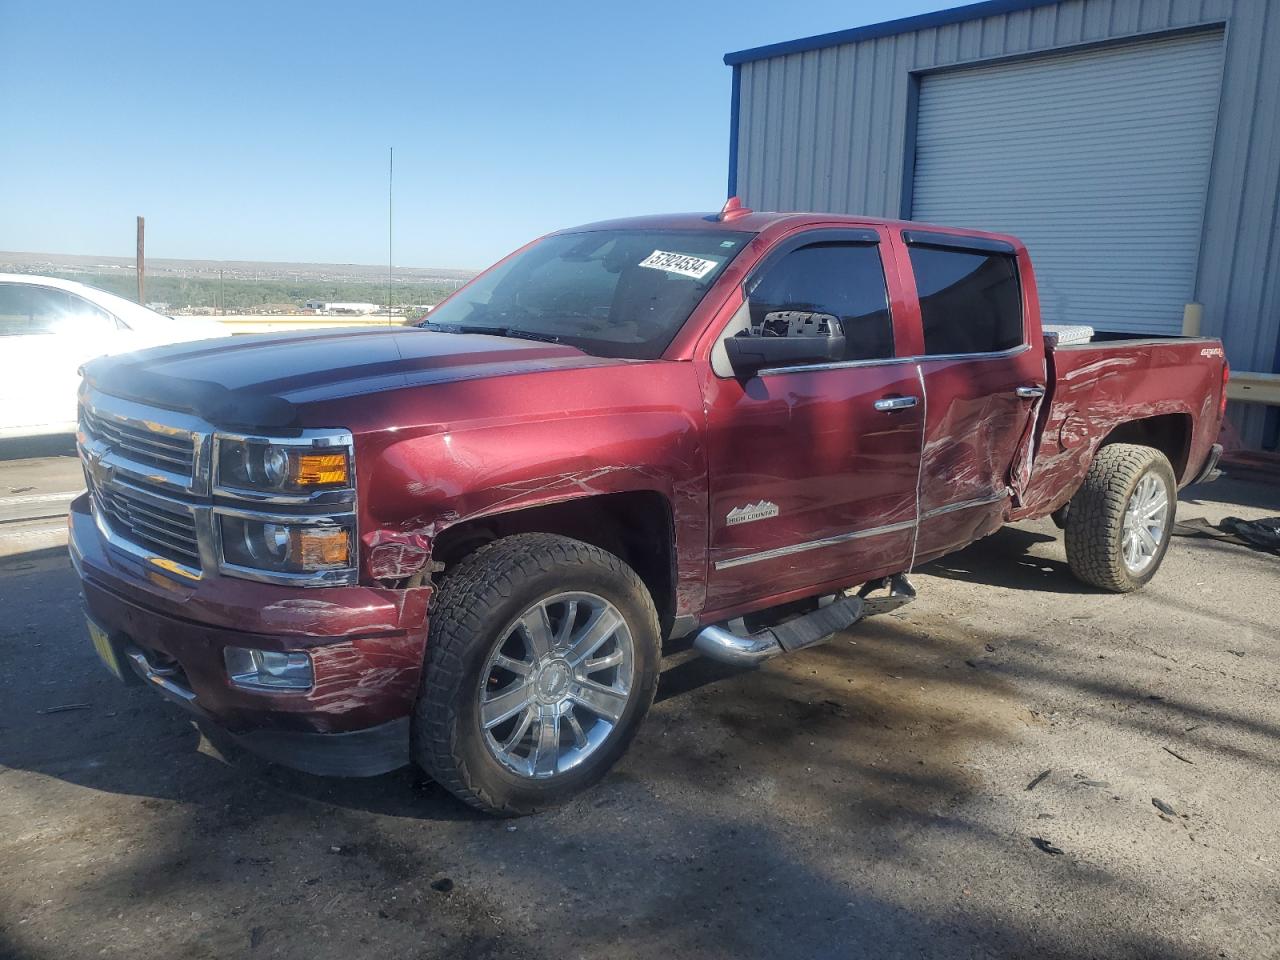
(1098, 160)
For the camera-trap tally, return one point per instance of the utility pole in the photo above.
(141, 261)
(391, 170)
(222, 299)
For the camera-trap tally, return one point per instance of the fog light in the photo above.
(267, 669)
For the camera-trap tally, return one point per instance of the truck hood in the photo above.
(258, 381)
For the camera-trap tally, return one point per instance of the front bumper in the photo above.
(356, 753)
(366, 645)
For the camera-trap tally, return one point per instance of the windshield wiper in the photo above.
(494, 331)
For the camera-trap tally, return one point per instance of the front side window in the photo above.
(613, 293)
(836, 287)
(970, 302)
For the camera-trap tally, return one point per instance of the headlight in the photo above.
(277, 535)
(288, 548)
(284, 466)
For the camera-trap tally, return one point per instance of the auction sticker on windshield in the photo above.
(680, 263)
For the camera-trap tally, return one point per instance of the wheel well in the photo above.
(1169, 433)
(637, 527)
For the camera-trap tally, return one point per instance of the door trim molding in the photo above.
(807, 545)
(922, 358)
(966, 504)
(813, 545)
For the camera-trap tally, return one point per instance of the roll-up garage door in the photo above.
(1098, 160)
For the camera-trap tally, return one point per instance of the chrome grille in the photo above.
(173, 451)
(166, 527)
(150, 472)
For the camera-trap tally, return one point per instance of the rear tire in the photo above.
(1120, 520)
(507, 718)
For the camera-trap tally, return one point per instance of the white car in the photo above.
(49, 327)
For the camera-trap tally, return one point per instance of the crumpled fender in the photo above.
(572, 434)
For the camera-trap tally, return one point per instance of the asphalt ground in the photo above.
(1012, 766)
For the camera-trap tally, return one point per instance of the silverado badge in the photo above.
(752, 511)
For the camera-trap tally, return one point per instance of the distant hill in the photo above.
(245, 286)
(64, 263)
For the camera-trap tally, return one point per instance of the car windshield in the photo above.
(613, 293)
(131, 313)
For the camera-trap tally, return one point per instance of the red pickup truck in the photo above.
(463, 545)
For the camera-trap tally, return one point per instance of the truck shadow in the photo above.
(828, 804)
(792, 811)
(1004, 560)
(36, 561)
(24, 448)
(1234, 492)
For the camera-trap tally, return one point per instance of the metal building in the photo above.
(1134, 145)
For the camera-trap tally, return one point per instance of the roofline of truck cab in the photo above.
(759, 221)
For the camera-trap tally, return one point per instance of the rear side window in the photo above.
(87, 317)
(970, 302)
(813, 284)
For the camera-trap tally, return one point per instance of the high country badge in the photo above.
(752, 511)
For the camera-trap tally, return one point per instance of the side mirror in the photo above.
(750, 354)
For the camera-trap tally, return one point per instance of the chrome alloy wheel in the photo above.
(1145, 519)
(556, 684)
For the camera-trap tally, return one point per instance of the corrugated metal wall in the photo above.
(1098, 160)
(833, 129)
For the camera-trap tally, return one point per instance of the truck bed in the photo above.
(1162, 391)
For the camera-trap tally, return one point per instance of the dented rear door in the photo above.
(984, 381)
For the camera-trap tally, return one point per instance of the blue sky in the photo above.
(259, 131)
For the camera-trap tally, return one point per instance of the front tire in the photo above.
(542, 660)
(1121, 519)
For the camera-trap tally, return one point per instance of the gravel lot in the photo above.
(868, 798)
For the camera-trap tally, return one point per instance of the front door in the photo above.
(813, 469)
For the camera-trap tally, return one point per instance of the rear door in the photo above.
(810, 481)
(983, 381)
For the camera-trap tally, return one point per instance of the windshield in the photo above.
(131, 313)
(135, 317)
(613, 293)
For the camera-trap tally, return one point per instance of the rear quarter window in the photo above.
(970, 301)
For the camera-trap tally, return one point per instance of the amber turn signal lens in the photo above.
(316, 547)
(320, 469)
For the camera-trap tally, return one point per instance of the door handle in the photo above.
(896, 403)
(1030, 393)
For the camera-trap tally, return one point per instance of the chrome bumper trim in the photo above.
(159, 678)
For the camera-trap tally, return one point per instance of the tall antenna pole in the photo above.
(391, 171)
(141, 261)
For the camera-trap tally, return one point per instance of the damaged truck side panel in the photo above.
(1165, 397)
(458, 484)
